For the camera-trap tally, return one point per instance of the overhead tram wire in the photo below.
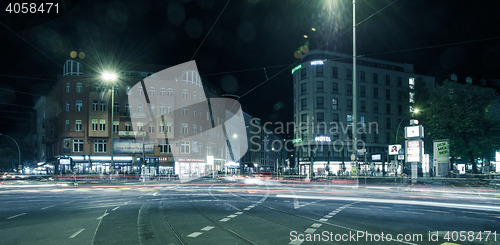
(33, 46)
(210, 30)
(335, 38)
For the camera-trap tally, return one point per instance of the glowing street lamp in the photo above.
(111, 77)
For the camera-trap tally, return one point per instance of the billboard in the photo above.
(413, 149)
(132, 146)
(394, 149)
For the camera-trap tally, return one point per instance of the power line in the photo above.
(222, 11)
(29, 78)
(26, 41)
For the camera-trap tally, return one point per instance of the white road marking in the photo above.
(246, 209)
(296, 242)
(238, 213)
(104, 215)
(232, 216)
(194, 234)
(117, 207)
(76, 233)
(47, 207)
(17, 215)
(224, 219)
(310, 230)
(207, 228)
(323, 220)
(316, 225)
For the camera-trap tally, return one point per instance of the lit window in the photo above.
(78, 105)
(78, 125)
(102, 124)
(78, 145)
(78, 87)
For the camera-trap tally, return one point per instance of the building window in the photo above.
(184, 94)
(66, 126)
(335, 72)
(320, 103)
(165, 148)
(169, 109)
(103, 106)
(162, 92)
(335, 117)
(127, 109)
(102, 124)
(151, 91)
(78, 105)
(388, 80)
(375, 107)
(335, 88)
(100, 146)
(319, 71)
(194, 129)
(362, 91)
(168, 127)
(78, 125)
(151, 128)
(363, 121)
(185, 147)
(363, 106)
(375, 93)
(116, 125)
(140, 109)
(139, 126)
(303, 104)
(68, 105)
(116, 107)
(349, 104)
(77, 145)
(78, 87)
(303, 118)
(375, 78)
(348, 89)
(68, 87)
(303, 73)
(161, 127)
(128, 126)
(362, 76)
(184, 128)
(94, 105)
(349, 74)
(320, 88)
(194, 96)
(170, 92)
(320, 117)
(139, 91)
(184, 111)
(334, 104)
(388, 94)
(303, 88)
(400, 82)
(349, 120)
(388, 108)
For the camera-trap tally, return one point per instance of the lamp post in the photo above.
(111, 78)
(18, 149)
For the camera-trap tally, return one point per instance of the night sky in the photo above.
(251, 43)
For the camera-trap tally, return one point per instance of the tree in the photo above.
(463, 114)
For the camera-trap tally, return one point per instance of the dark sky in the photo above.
(439, 37)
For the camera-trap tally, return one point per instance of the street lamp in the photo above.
(18, 149)
(415, 111)
(111, 77)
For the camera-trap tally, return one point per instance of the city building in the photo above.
(74, 124)
(323, 106)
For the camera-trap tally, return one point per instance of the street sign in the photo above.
(401, 152)
(401, 157)
(394, 149)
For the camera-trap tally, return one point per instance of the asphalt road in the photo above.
(252, 212)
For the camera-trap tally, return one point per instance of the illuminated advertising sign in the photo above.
(413, 151)
(297, 140)
(317, 62)
(377, 157)
(296, 68)
(322, 139)
(394, 149)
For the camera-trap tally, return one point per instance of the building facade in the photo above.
(74, 124)
(323, 106)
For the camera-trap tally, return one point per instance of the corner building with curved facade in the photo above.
(323, 109)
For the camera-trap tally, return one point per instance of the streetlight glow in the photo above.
(109, 76)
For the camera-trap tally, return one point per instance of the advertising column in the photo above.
(414, 148)
(441, 157)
